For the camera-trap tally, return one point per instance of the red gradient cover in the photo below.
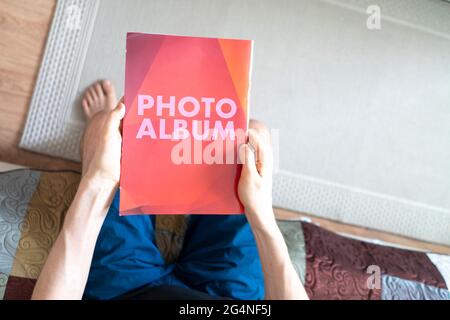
(186, 104)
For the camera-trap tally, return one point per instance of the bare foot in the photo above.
(101, 96)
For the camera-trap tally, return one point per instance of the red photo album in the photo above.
(187, 105)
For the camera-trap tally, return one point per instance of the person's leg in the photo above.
(220, 256)
(125, 256)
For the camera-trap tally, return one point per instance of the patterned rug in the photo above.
(33, 205)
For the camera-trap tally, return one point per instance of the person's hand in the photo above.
(102, 143)
(255, 183)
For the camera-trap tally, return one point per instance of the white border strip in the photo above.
(361, 207)
(46, 129)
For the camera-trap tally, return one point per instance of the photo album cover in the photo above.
(187, 113)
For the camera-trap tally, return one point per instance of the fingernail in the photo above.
(251, 147)
(241, 152)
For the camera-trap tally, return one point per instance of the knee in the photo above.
(260, 128)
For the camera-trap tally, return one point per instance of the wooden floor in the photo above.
(24, 25)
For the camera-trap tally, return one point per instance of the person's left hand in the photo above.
(255, 183)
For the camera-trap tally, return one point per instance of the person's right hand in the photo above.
(102, 145)
(255, 183)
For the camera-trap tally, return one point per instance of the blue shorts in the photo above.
(219, 257)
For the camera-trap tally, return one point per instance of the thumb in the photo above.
(120, 109)
(116, 116)
(247, 158)
(118, 112)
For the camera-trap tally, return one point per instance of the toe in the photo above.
(111, 99)
(84, 103)
(98, 90)
(107, 86)
(88, 97)
(109, 90)
(86, 109)
(93, 93)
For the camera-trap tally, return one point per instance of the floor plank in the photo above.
(24, 27)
